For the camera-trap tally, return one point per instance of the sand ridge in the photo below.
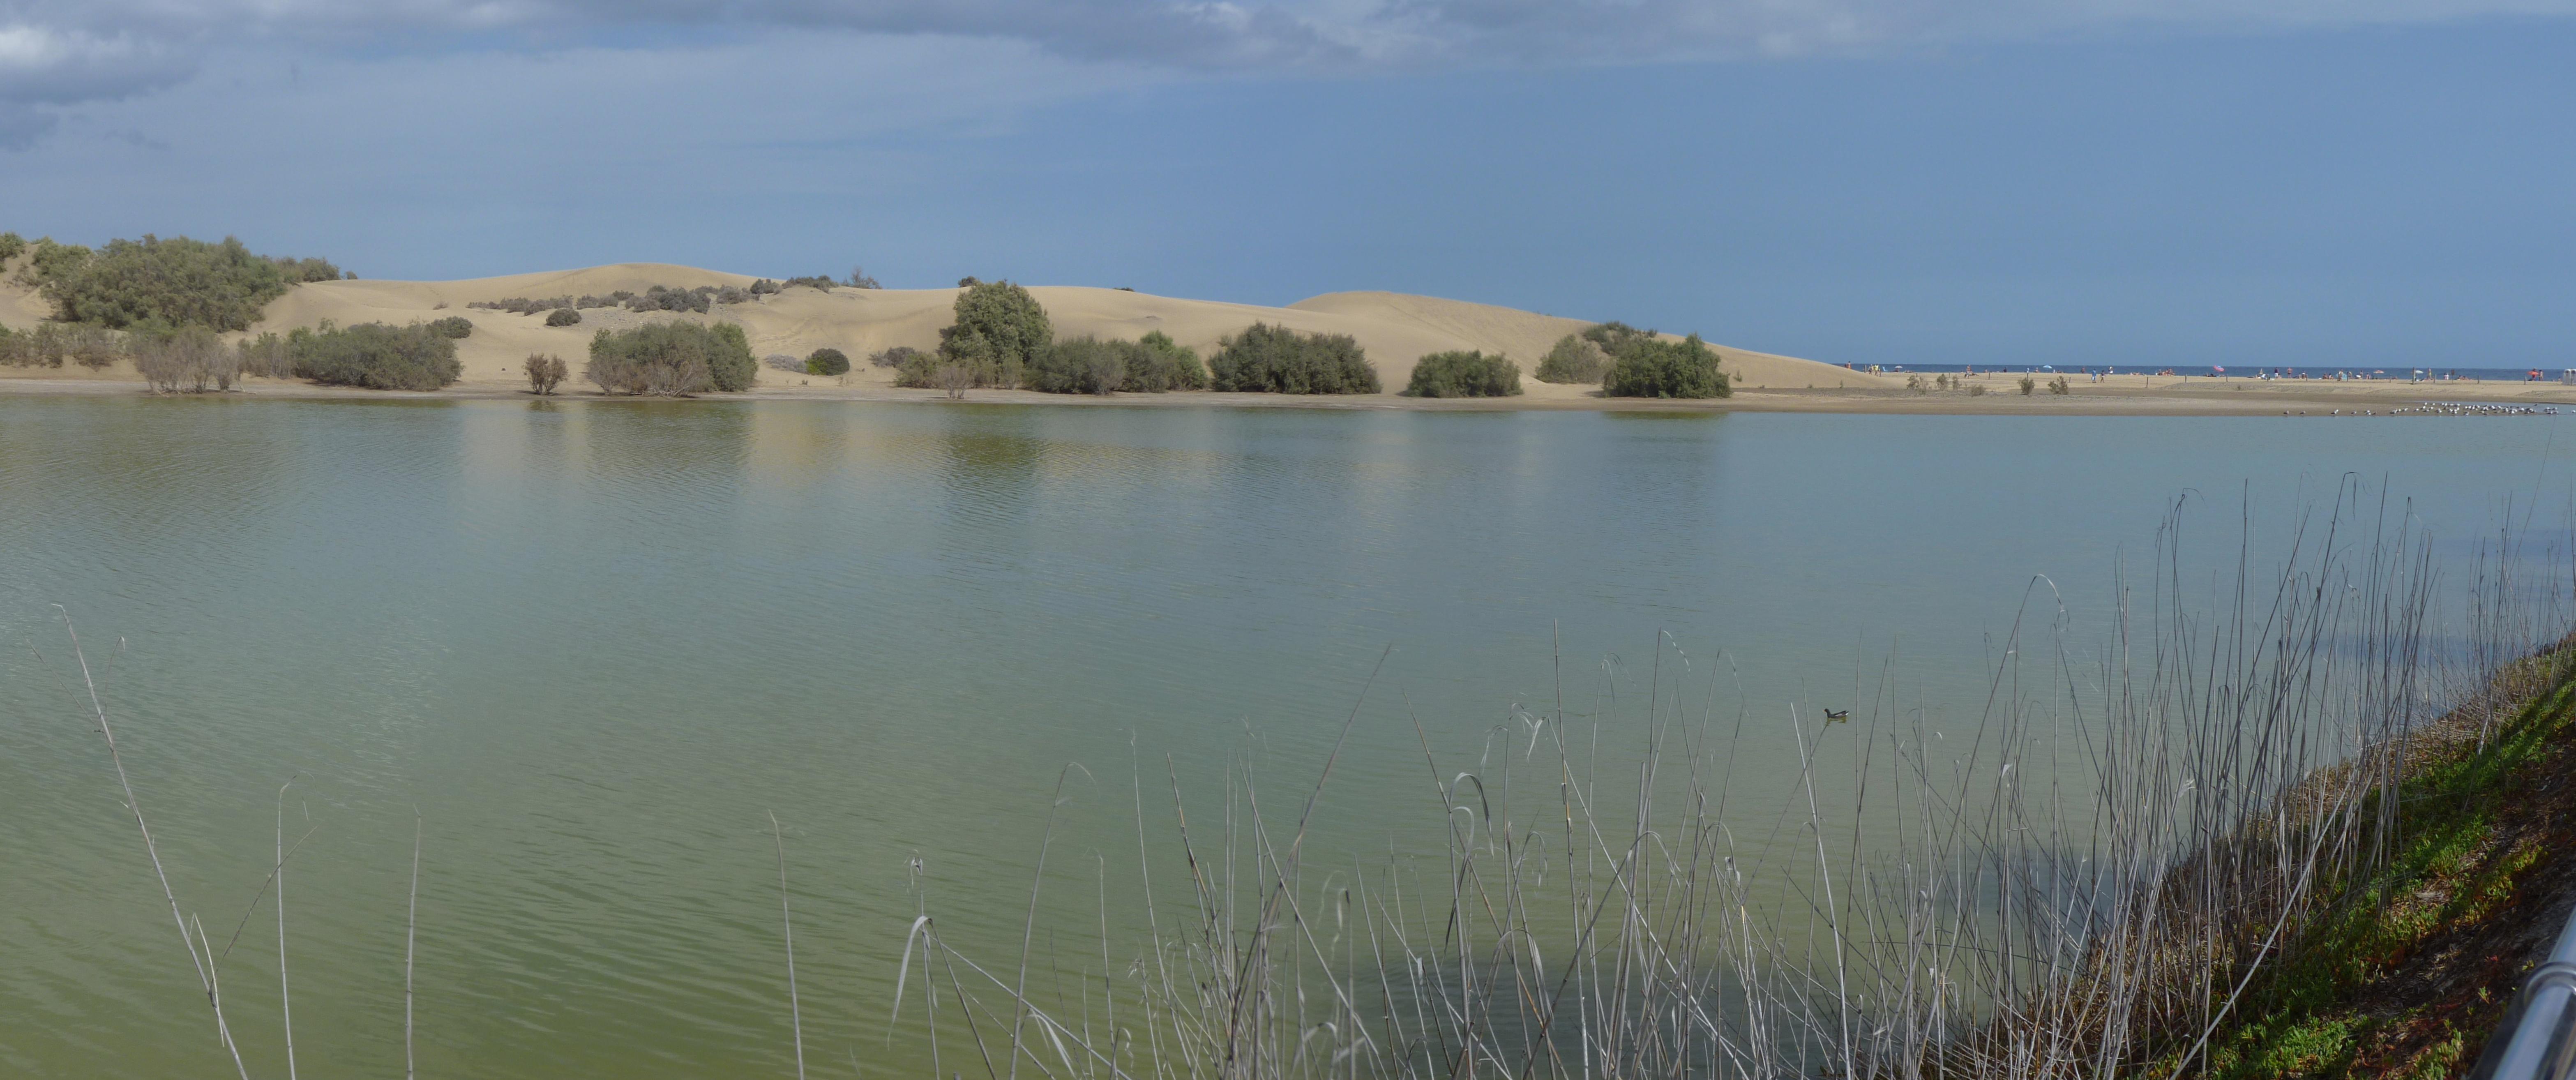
(1394, 328)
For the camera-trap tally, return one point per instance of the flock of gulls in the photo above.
(2447, 408)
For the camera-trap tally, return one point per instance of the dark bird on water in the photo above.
(1834, 716)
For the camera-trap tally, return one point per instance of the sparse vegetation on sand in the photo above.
(892, 357)
(671, 359)
(563, 316)
(454, 327)
(1464, 374)
(1277, 360)
(176, 282)
(1652, 367)
(375, 356)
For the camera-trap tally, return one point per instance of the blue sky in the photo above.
(1994, 181)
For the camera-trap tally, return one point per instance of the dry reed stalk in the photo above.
(411, 940)
(203, 964)
(787, 922)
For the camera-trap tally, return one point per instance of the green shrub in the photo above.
(1275, 359)
(1652, 367)
(1464, 374)
(671, 359)
(564, 316)
(1171, 367)
(2028, 384)
(893, 357)
(375, 356)
(822, 282)
(1575, 359)
(932, 371)
(178, 281)
(454, 327)
(1083, 365)
(11, 246)
(827, 362)
(999, 329)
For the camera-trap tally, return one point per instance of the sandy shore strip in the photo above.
(2117, 396)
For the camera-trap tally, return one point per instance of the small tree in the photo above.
(545, 373)
(564, 316)
(2028, 384)
(1000, 327)
(827, 362)
(893, 357)
(954, 378)
(859, 279)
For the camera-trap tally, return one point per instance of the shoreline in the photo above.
(2140, 396)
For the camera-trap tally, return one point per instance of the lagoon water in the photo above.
(594, 645)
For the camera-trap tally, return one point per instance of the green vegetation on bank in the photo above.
(1464, 374)
(176, 282)
(1629, 362)
(375, 356)
(671, 359)
(1277, 360)
(2409, 969)
(827, 362)
(1086, 365)
(1651, 367)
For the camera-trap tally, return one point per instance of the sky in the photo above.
(2180, 183)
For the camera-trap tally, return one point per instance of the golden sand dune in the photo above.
(1395, 329)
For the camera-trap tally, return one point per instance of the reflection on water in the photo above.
(594, 643)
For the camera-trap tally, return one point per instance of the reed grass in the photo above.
(2093, 880)
(2139, 834)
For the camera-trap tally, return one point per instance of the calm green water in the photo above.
(595, 644)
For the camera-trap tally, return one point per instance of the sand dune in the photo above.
(1394, 328)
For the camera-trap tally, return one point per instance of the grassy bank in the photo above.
(2415, 965)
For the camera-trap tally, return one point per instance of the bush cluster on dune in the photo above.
(1464, 374)
(375, 356)
(1085, 365)
(1277, 360)
(671, 359)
